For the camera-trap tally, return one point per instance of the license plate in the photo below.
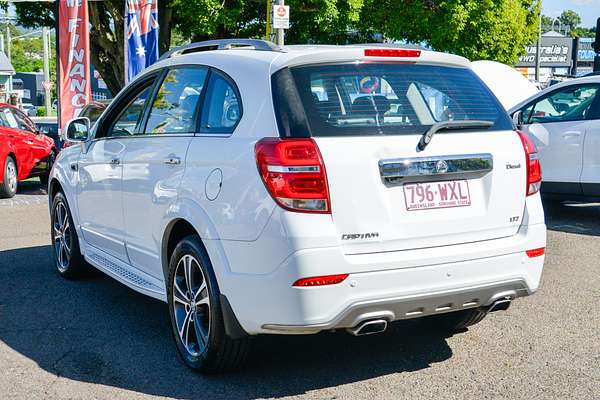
(425, 196)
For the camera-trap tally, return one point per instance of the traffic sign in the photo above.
(281, 17)
(47, 85)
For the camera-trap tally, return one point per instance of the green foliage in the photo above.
(546, 23)
(41, 111)
(313, 21)
(570, 18)
(27, 52)
(477, 29)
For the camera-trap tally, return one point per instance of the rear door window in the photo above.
(222, 108)
(175, 107)
(373, 99)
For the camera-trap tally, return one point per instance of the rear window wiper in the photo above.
(451, 125)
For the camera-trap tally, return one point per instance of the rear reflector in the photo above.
(536, 252)
(392, 53)
(321, 280)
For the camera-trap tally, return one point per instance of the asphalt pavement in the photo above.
(95, 338)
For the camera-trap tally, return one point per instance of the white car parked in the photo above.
(564, 122)
(264, 190)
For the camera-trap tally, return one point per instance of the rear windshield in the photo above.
(380, 99)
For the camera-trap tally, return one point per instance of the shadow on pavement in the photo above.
(96, 330)
(31, 187)
(572, 217)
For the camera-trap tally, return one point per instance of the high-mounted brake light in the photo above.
(532, 164)
(392, 53)
(294, 174)
(321, 280)
(536, 252)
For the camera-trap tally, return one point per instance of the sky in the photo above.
(589, 10)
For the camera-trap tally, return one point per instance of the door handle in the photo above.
(568, 135)
(115, 161)
(172, 161)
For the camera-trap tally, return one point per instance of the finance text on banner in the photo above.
(141, 44)
(74, 58)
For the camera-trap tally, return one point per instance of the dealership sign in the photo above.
(555, 52)
(585, 51)
(74, 58)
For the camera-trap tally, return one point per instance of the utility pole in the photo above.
(280, 31)
(268, 27)
(8, 54)
(538, 49)
(47, 91)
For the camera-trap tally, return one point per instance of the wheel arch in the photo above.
(12, 155)
(54, 187)
(175, 231)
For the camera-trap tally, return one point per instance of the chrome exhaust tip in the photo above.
(500, 305)
(369, 327)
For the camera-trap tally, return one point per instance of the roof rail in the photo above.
(222, 44)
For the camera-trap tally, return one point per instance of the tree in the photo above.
(489, 29)
(477, 29)
(570, 18)
(313, 21)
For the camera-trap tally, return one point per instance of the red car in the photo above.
(24, 152)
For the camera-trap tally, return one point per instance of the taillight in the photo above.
(532, 163)
(392, 53)
(294, 174)
(321, 280)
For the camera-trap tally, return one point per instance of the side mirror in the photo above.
(518, 119)
(77, 130)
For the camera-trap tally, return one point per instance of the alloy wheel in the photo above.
(62, 236)
(191, 305)
(11, 172)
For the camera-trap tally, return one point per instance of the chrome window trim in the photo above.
(442, 166)
(94, 140)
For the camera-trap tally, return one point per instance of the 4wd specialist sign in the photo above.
(555, 52)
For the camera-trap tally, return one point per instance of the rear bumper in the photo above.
(398, 285)
(415, 306)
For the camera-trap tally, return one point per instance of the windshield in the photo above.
(391, 98)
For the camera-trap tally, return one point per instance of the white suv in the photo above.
(264, 190)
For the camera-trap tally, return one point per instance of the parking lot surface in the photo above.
(95, 338)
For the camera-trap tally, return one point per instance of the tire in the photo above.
(45, 178)
(65, 244)
(8, 187)
(208, 348)
(457, 320)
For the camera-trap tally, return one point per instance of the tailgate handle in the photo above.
(393, 170)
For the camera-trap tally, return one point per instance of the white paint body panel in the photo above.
(560, 146)
(257, 249)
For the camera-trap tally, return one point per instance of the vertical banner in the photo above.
(74, 58)
(141, 39)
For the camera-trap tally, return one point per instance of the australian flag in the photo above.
(141, 30)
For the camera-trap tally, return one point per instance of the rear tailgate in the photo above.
(367, 117)
(477, 193)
